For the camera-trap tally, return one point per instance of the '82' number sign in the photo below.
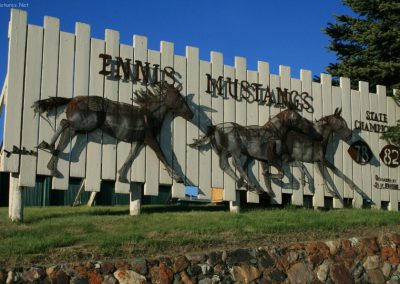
(390, 156)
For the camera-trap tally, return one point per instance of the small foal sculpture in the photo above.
(139, 124)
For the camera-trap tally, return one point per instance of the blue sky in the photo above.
(286, 32)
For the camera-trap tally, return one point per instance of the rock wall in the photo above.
(368, 260)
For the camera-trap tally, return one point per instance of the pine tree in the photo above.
(367, 47)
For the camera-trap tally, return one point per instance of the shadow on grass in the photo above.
(99, 211)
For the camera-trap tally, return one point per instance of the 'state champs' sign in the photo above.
(119, 69)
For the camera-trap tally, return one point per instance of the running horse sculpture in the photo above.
(262, 143)
(132, 124)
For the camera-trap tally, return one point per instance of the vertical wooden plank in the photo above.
(217, 116)
(152, 162)
(365, 135)
(49, 85)
(263, 109)
(275, 184)
(192, 88)
(93, 148)
(383, 169)
(109, 149)
(285, 80)
(124, 96)
(30, 125)
(374, 145)
(393, 172)
(179, 133)
(297, 195)
(347, 115)
(205, 122)
(393, 118)
(138, 166)
(306, 87)
(64, 90)
(167, 60)
(241, 110)
(252, 119)
(337, 151)
(229, 116)
(326, 82)
(319, 193)
(357, 168)
(15, 88)
(81, 88)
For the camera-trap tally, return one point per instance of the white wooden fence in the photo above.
(44, 62)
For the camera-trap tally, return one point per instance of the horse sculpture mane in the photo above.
(144, 98)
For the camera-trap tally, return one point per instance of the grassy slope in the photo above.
(66, 234)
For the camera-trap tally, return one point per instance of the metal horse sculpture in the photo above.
(133, 124)
(255, 142)
(297, 147)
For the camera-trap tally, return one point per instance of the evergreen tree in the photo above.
(367, 47)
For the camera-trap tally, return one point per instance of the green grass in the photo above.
(55, 234)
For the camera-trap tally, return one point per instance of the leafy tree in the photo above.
(367, 47)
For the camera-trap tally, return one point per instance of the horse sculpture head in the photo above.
(290, 119)
(338, 124)
(175, 102)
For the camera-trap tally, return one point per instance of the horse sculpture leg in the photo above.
(68, 134)
(224, 165)
(123, 171)
(243, 174)
(326, 177)
(152, 142)
(44, 145)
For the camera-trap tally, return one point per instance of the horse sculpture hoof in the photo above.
(178, 179)
(43, 145)
(123, 179)
(240, 183)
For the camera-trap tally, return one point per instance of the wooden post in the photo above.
(234, 206)
(77, 200)
(92, 198)
(135, 198)
(16, 206)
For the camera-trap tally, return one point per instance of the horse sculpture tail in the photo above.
(205, 140)
(46, 105)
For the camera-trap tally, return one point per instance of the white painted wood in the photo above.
(374, 145)
(30, 124)
(241, 109)
(234, 206)
(138, 166)
(263, 111)
(49, 86)
(326, 82)
(192, 89)
(92, 198)
(166, 134)
(17, 205)
(179, 133)
(14, 93)
(383, 169)
(93, 148)
(347, 115)
(229, 116)
(135, 199)
(357, 168)
(64, 90)
(296, 185)
(152, 162)
(109, 157)
(393, 172)
(124, 96)
(252, 119)
(275, 184)
(77, 200)
(205, 122)
(306, 87)
(319, 193)
(217, 116)
(365, 136)
(81, 88)
(285, 80)
(241, 104)
(337, 151)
